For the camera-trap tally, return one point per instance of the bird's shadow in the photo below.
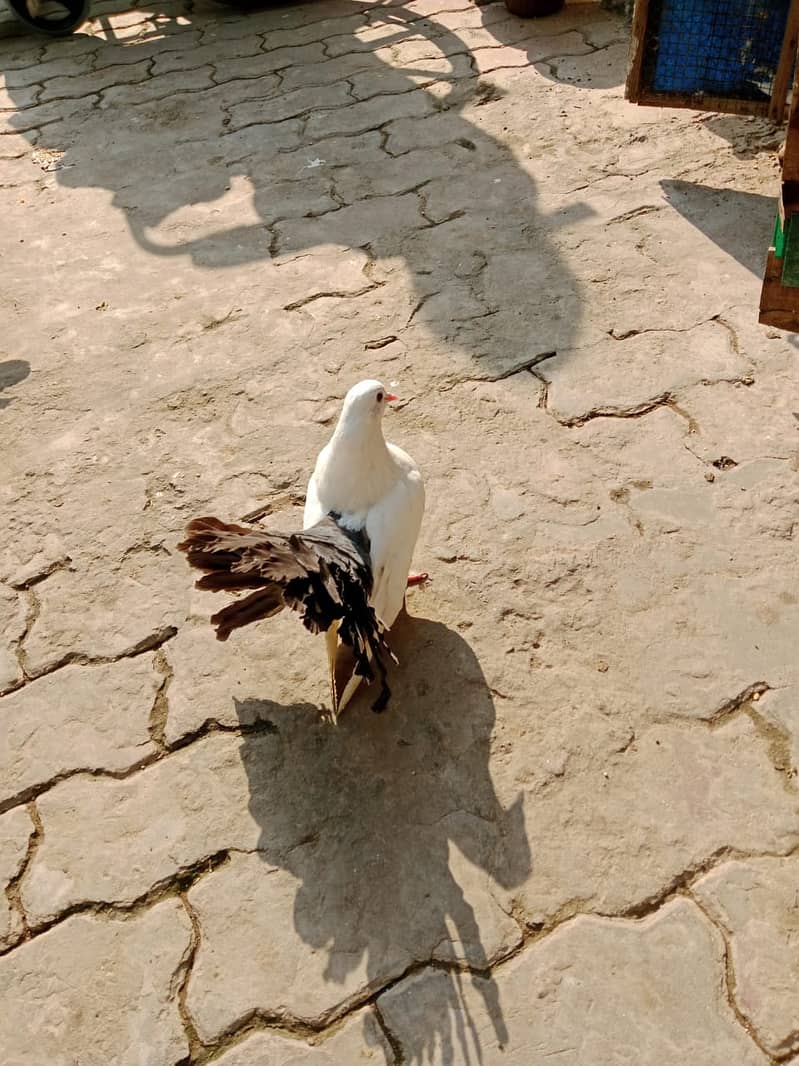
(12, 372)
(393, 829)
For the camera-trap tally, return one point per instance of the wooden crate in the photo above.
(779, 304)
(779, 297)
(739, 57)
(735, 56)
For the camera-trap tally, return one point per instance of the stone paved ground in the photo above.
(575, 836)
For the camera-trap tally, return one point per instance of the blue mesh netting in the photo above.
(719, 47)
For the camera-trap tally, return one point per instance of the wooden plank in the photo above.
(790, 150)
(697, 102)
(787, 320)
(790, 259)
(632, 87)
(782, 78)
(774, 107)
(788, 202)
(779, 304)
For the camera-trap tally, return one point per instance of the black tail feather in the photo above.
(323, 573)
(258, 605)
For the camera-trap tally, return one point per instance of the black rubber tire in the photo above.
(533, 9)
(76, 14)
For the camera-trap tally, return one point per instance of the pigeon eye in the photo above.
(380, 397)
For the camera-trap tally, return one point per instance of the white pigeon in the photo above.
(348, 570)
(375, 488)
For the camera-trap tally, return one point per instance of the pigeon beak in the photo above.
(391, 398)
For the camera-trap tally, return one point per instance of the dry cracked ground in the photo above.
(575, 834)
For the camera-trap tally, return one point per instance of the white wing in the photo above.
(314, 511)
(392, 527)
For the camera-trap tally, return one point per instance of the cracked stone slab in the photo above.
(781, 710)
(634, 454)
(329, 71)
(331, 271)
(182, 56)
(377, 221)
(664, 805)
(664, 583)
(13, 614)
(360, 1042)
(370, 114)
(250, 909)
(105, 161)
(160, 88)
(230, 91)
(67, 88)
(386, 176)
(97, 991)
(22, 98)
(285, 106)
(602, 32)
(601, 70)
(417, 48)
(33, 118)
(80, 717)
(328, 157)
(757, 902)
(177, 812)
(633, 600)
(387, 13)
(369, 83)
(595, 990)
(310, 799)
(527, 50)
(30, 558)
(750, 436)
(209, 677)
(245, 67)
(625, 375)
(279, 37)
(725, 634)
(138, 604)
(366, 39)
(406, 134)
(16, 828)
(501, 186)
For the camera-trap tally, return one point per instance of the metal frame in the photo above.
(774, 108)
(779, 304)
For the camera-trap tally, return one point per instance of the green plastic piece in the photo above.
(779, 239)
(790, 261)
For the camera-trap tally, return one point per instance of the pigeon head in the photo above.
(365, 403)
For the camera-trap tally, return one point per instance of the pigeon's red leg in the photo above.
(417, 579)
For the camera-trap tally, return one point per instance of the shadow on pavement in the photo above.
(413, 180)
(12, 372)
(392, 827)
(740, 223)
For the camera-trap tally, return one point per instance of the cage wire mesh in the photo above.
(725, 48)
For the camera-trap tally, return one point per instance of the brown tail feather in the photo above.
(323, 573)
(225, 581)
(252, 608)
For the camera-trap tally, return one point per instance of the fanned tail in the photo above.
(323, 573)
